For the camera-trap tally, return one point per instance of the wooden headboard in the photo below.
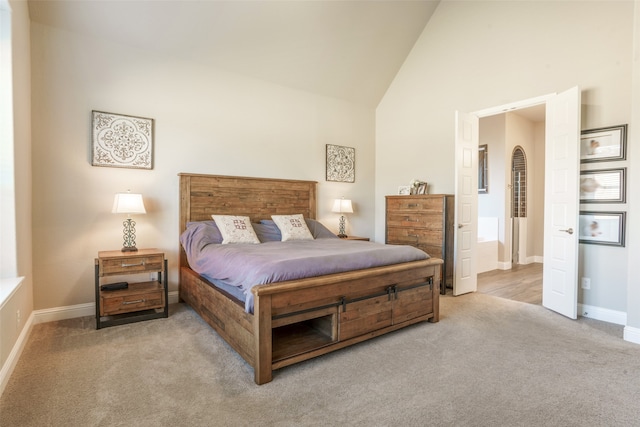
(258, 198)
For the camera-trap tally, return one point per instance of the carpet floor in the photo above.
(488, 362)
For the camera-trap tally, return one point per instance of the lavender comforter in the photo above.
(247, 265)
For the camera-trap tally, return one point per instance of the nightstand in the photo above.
(142, 300)
(365, 239)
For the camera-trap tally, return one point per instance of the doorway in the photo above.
(561, 202)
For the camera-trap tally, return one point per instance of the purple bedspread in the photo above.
(247, 265)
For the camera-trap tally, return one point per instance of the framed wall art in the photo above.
(341, 163)
(603, 144)
(602, 228)
(121, 141)
(603, 186)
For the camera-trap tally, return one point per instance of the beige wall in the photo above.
(498, 53)
(206, 121)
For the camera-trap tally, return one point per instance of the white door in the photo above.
(466, 216)
(561, 203)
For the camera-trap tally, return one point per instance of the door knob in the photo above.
(569, 230)
(460, 225)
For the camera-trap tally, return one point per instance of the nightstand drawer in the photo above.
(129, 265)
(120, 302)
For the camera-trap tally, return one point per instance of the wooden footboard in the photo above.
(298, 320)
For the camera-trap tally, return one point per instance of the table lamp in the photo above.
(130, 204)
(342, 206)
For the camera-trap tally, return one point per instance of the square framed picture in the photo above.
(404, 190)
(341, 163)
(602, 228)
(603, 186)
(121, 141)
(603, 144)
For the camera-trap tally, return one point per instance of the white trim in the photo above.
(525, 103)
(504, 266)
(603, 314)
(632, 334)
(8, 287)
(16, 352)
(79, 310)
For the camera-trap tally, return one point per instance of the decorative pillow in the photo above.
(235, 229)
(267, 232)
(292, 227)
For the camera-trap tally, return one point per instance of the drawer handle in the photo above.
(133, 302)
(413, 205)
(132, 265)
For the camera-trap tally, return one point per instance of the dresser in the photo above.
(426, 222)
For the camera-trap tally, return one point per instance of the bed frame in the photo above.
(299, 319)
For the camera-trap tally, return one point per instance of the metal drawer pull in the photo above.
(132, 265)
(133, 302)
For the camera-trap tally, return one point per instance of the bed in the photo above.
(296, 320)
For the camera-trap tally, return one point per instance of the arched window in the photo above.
(519, 183)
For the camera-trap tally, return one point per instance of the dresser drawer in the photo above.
(138, 297)
(412, 204)
(130, 265)
(414, 237)
(429, 220)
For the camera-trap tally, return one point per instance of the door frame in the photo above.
(501, 109)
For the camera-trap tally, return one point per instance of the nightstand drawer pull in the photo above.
(132, 265)
(133, 302)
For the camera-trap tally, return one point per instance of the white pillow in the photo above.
(235, 229)
(292, 227)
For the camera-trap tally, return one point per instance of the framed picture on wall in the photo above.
(121, 141)
(603, 144)
(341, 163)
(602, 228)
(603, 186)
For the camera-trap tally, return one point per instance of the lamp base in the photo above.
(129, 249)
(342, 236)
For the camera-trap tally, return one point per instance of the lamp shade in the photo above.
(128, 203)
(342, 206)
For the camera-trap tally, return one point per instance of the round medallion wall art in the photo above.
(122, 141)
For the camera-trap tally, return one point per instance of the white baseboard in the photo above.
(632, 334)
(79, 310)
(12, 360)
(504, 266)
(603, 314)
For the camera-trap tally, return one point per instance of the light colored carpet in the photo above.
(488, 362)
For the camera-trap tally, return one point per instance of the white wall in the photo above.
(206, 121)
(477, 55)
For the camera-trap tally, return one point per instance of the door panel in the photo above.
(466, 213)
(562, 164)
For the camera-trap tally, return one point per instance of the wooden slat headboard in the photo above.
(258, 198)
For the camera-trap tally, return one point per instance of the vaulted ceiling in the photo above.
(343, 49)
